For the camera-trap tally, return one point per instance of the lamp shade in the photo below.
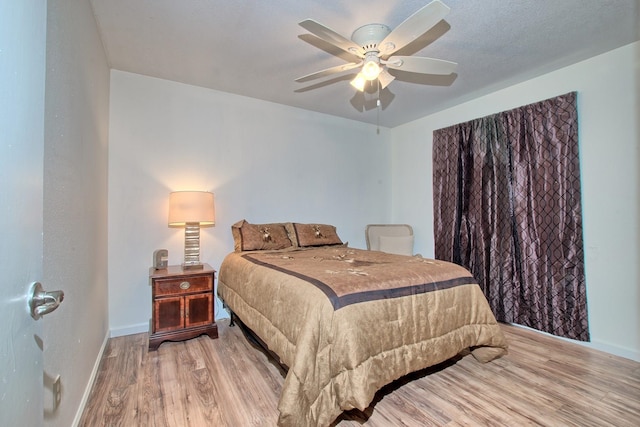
(191, 207)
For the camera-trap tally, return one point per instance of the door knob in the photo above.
(42, 302)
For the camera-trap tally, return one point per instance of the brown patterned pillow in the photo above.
(314, 235)
(255, 237)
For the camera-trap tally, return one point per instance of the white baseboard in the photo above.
(595, 345)
(615, 350)
(130, 330)
(92, 378)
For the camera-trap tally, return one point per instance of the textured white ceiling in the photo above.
(257, 49)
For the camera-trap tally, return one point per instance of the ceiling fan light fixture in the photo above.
(375, 44)
(359, 82)
(371, 69)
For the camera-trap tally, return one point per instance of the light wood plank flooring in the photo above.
(229, 382)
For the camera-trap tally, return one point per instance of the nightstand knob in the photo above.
(185, 285)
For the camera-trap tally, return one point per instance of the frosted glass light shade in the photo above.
(385, 78)
(370, 70)
(358, 82)
(187, 207)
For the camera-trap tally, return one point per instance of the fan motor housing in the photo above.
(370, 35)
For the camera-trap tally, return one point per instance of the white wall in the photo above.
(264, 162)
(608, 109)
(75, 203)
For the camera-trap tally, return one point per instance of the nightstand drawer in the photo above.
(182, 285)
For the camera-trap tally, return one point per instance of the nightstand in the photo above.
(182, 304)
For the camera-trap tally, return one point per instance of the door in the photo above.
(22, 78)
(199, 310)
(169, 314)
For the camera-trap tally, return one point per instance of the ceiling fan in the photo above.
(373, 46)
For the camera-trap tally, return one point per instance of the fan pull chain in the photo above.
(378, 111)
(378, 116)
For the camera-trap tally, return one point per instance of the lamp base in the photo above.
(192, 247)
(192, 266)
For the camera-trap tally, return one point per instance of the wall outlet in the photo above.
(57, 392)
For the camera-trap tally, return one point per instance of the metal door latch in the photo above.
(42, 302)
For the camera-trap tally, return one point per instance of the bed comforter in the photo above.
(347, 321)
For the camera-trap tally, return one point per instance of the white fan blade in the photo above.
(329, 71)
(417, 64)
(330, 36)
(413, 27)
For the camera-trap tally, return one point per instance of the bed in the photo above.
(346, 321)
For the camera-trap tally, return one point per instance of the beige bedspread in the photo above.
(347, 321)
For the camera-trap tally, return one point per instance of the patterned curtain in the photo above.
(507, 207)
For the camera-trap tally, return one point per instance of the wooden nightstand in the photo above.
(182, 304)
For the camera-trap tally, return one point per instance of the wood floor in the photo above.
(229, 382)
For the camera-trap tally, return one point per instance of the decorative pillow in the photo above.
(314, 235)
(255, 237)
(401, 245)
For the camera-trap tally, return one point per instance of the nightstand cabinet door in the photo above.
(182, 304)
(169, 314)
(199, 310)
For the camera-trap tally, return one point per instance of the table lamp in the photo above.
(192, 210)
